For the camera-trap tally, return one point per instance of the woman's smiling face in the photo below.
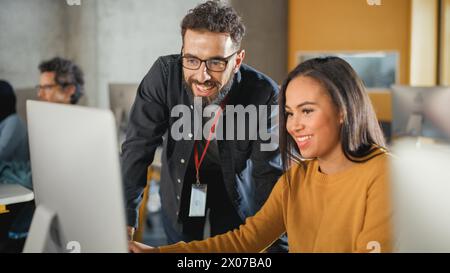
(313, 120)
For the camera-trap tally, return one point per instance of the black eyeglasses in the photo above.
(48, 87)
(214, 64)
(45, 87)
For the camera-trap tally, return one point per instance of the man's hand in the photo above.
(130, 233)
(135, 247)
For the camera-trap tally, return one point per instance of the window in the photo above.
(376, 69)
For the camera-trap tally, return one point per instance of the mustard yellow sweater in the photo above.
(344, 212)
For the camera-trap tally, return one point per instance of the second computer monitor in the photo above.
(417, 112)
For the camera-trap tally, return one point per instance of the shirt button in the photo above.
(178, 197)
(192, 106)
(182, 161)
(179, 181)
(177, 213)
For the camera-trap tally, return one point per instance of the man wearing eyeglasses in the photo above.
(228, 180)
(61, 81)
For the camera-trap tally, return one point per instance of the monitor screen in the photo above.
(418, 112)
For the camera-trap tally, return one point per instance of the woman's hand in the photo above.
(135, 247)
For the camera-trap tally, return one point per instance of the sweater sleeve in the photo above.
(258, 232)
(376, 234)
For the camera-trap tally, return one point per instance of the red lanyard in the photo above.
(198, 162)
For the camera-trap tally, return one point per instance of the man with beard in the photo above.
(228, 180)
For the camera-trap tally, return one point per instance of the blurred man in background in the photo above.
(61, 81)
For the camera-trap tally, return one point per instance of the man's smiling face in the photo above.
(221, 53)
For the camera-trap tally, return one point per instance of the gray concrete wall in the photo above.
(114, 41)
(132, 35)
(117, 41)
(30, 31)
(266, 39)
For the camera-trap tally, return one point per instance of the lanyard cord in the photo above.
(198, 162)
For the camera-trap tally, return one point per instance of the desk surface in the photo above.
(14, 193)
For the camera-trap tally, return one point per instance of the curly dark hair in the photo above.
(66, 73)
(215, 16)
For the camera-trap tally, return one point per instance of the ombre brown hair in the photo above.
(360, 133)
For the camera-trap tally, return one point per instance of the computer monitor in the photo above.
(76, 179)
(22, 95)
(421, 189)
(416, 112)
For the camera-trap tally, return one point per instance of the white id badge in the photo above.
(197, 207)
